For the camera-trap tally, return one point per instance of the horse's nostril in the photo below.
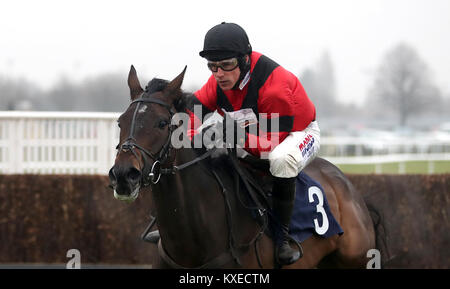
(134, 175)
(112, 175)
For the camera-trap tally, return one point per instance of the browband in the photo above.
(151, 99)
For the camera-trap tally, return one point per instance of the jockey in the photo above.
(242, 78)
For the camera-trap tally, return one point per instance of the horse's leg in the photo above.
(356, 241)
(351, 250)
(346, 251)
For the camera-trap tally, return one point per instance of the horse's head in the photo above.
(145, 132)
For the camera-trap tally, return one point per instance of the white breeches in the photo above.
(295, 152)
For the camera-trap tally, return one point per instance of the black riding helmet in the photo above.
(224, 41)
(227, 40)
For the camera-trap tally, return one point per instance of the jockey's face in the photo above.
(226, 72)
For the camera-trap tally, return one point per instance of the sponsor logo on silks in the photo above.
(306, 145)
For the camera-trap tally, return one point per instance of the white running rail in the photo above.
(84, 143)
(57, 142)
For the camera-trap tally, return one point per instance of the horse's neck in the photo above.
(191, 211)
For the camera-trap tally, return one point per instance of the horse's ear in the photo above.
(173, 88)
(133, 84)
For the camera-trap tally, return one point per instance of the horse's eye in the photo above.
(162, 124)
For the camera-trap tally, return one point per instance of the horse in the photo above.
(202, 221)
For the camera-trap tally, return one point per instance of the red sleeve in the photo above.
(264, 143)
(207, 95)
(205, 101)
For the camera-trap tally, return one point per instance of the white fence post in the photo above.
(430, 167)
(401, 167)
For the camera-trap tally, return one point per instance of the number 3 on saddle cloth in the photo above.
(311, 212)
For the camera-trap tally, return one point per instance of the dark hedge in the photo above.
(43, 216)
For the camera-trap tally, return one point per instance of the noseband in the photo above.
(154, 173)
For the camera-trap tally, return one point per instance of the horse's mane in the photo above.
(185, 102)
(155, 85)
(182, 103)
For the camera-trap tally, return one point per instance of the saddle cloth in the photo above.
(311, 213)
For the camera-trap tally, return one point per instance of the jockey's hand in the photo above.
(233, 133)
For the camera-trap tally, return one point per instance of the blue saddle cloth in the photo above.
(311, 213)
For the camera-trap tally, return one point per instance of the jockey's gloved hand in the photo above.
(211, 136)
(233, 133)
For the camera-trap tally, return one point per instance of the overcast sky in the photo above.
(42, 40)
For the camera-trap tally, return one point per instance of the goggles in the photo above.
(225, 65)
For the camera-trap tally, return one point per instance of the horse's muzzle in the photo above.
(126, 183)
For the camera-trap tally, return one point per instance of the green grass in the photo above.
(410, 167)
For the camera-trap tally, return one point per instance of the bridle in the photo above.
(153, 174)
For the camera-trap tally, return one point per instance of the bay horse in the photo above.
(202, 222)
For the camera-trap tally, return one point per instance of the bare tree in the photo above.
(17, 94)
(320, 85)
(403, 84)
(106, 92)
